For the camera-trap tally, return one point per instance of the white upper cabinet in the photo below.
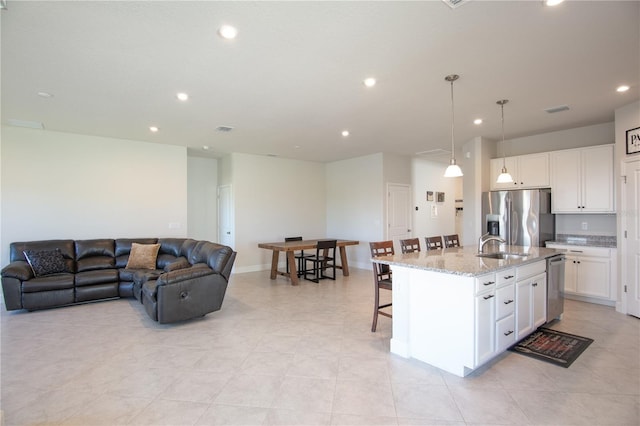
(528, 171)
(582, 180)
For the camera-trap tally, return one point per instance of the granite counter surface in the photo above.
(585, 240)
(464, 260)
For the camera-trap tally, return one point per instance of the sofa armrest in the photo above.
(18, 269)
(197, 270)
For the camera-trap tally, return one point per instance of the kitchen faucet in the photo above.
(484, 239)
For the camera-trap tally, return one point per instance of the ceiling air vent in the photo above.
(26, 124)
(558, 108)
(434, 153)
(455, 3)
(224, 129)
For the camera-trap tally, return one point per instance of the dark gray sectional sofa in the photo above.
(189, 280)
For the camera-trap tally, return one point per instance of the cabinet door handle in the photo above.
(535, 284)
(508, 332)
(575, 251)
(489, 283)
(488, 297)
(508, 301)
(508, 277)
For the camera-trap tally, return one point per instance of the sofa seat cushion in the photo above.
(50, 282)
(100, 276)
(128, 275)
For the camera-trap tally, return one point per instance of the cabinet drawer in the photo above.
(485, 282)
(530, 270)
(506, 277)
(505, 301)
(505, 332)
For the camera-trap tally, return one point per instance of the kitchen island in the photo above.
(456, 311)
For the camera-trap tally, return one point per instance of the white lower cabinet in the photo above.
(589, 273)
(484, 330)
(531, 298)
(495, 320)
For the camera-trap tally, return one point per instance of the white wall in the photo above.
(475, 166)
(428, 176)
(274, 198)
(355, 204)
(202, 206)
(597, 224)
(598, 134)
(62, 185)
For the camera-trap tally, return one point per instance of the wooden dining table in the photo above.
(290, 247)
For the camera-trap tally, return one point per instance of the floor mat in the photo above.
(552, 346)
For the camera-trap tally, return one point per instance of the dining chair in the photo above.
(324, 259)
(433, 243)
(381, 277)
(451, 240)
(298, 255)
(410, 245)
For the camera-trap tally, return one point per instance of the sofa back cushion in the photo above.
(169, 251)
(95, 254)
(123, 248)
(66, 247)
(214, 255)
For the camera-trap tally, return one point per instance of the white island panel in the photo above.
(433, 318)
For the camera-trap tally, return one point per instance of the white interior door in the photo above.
(225, 216)
(631, 244)
(398, 212)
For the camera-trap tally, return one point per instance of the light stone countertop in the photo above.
(463, 260)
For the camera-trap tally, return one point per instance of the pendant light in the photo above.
(504, 177)
(453, 170)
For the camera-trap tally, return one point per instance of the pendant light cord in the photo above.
(452, 119)
(504, 159)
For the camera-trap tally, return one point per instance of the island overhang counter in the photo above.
(456, 310)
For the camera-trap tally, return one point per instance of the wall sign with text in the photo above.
(633, 140)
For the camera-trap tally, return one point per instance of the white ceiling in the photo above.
(292, 79)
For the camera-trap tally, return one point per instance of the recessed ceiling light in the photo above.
(345, 133)
(369, 82)
(205, 147)
(477, 121)
(153, 129)
(553, 2)
(182, 96)
(228, 32)
(622, 88)
(45, 95)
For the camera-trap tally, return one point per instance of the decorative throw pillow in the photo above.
(45, 262)
(143, 256)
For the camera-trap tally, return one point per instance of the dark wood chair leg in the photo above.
(376, 303)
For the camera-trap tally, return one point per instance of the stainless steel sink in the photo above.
(503, 255)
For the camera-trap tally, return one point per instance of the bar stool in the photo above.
(381, 277)
(451, 240)
(410, 245)
(433, 243)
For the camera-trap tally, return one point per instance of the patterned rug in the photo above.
(552, 346)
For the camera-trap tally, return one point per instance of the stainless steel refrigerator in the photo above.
(521, 217)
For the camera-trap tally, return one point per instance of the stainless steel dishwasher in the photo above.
(555, 287)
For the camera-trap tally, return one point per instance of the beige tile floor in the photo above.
(282, 355)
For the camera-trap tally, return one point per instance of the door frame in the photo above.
(622, 255)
